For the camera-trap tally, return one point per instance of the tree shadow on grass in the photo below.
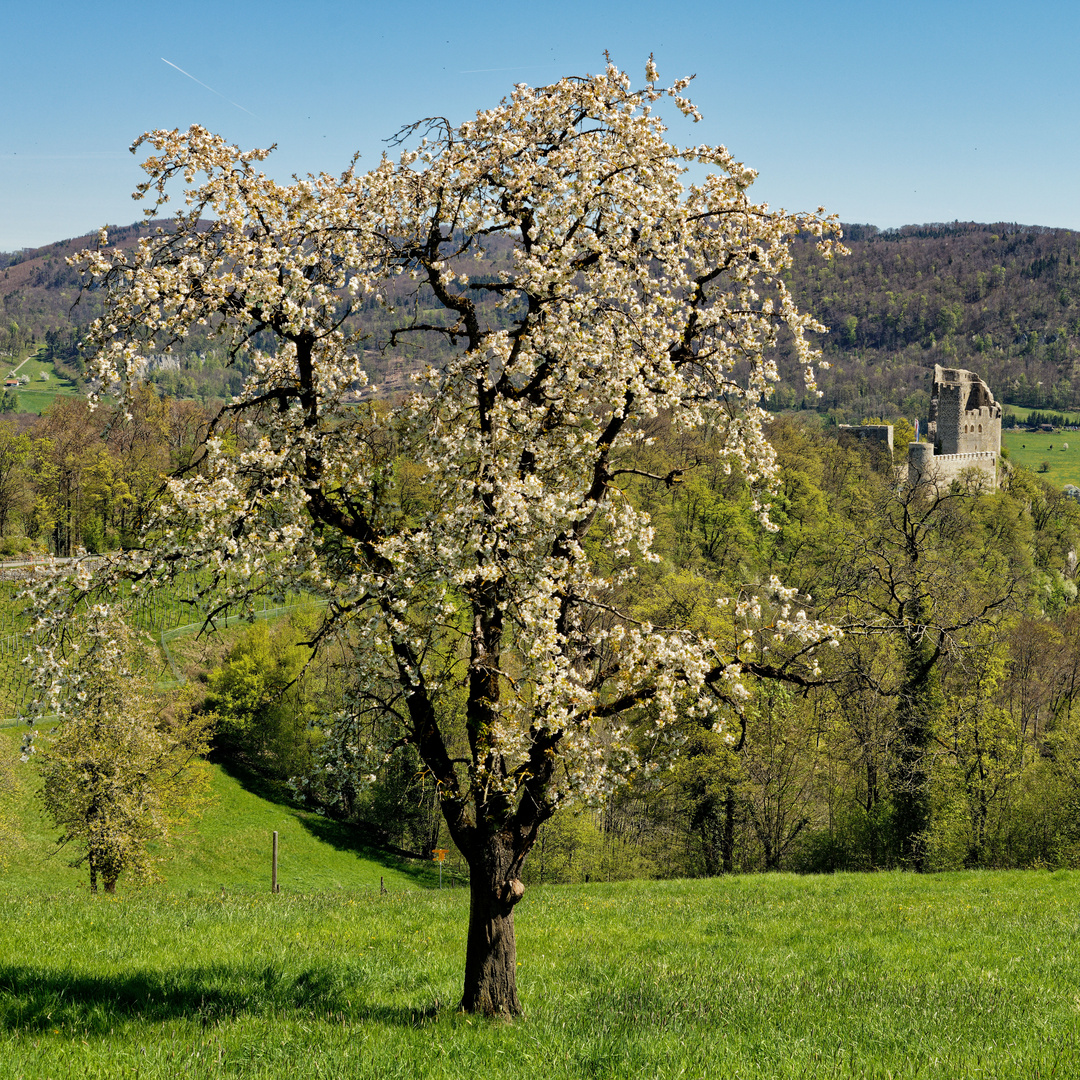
(355, 839)
(250, 779)
(40, 999)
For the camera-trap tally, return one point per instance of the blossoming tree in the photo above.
(484, 619)
(115, 776)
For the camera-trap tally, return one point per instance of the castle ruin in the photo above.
(964, 430)
(878, 436)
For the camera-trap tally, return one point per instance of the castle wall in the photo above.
(964, 429)
(877, 434)
(924, 466)
(949, 410)
(979, 431)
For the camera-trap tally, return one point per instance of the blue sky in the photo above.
(882, 112)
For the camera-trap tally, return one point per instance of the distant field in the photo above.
(1022, 413)
(1031, 449)
(37, 401)
(38, 394)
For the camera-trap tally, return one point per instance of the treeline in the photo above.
(41, 297)
(78, 478)
(942, 729)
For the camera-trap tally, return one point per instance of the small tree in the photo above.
(115, 775)
(485, 626)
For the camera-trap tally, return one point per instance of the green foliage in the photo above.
(568, 848)
(19, 545)
(853, 774)
(710, 775)
(262, 711)
(115, 775)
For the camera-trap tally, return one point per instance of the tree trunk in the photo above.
(491, 951)
(918, 705)
(728, 856)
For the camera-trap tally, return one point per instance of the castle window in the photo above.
(980, 429)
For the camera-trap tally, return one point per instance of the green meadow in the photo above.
(227, 847)
(1022, 413)
(207, 974)
(38, 394)
(967, 975)
(1059, 450)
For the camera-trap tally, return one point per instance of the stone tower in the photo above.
(964, 430)
(964, 418)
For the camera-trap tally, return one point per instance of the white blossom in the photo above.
(627, 293)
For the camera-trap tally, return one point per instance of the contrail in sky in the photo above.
(210, 88)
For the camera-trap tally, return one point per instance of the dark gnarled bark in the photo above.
(491, 951)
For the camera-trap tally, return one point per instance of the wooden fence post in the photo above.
(273, 869)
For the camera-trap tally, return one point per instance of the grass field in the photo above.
(208, 975)
(1022, 413)
(37, 395)
(968, 975)
(34, 400)
(1032, 449)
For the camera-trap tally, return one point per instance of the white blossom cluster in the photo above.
(85, 663)
(629, 294)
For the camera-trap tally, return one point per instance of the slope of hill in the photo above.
(228, 847)
(1002, 300)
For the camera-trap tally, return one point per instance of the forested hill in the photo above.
(1002, 300)
(41, 303)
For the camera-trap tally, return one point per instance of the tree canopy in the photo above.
(480, 589)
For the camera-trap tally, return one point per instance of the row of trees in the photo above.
(942, 732)
(75, 478)
(1036, 419)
